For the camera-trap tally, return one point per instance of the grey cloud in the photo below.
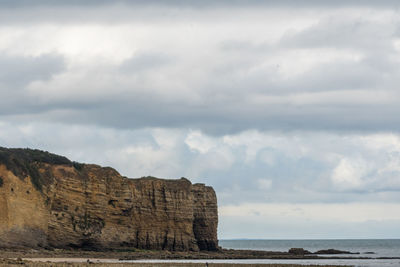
(370, 41)
(194, 3)
(136, 109)
(344, 32)
(243, 46)
(368, 74)
(25, 11)
(337, 76)
(144, 62)
(16, 71)
(232, 87)
(139, 112)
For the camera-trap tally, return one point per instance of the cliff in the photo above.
(48, 201)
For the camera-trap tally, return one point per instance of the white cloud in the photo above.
(387, 141)
(349, 174)
(264, 183)
(80, 44)
(197, 141)
(315, 212)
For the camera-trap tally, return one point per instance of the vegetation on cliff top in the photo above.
(24, 162)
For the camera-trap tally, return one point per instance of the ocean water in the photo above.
(348, 262)
(381, 247)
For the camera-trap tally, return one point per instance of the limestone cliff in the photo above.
(47, 200)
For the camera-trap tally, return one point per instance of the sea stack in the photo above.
(48, 201)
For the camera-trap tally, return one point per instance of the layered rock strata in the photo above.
(47, 200)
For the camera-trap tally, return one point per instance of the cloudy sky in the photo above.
(290, 111)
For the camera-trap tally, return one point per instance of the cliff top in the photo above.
(25, 162)
(16, 156)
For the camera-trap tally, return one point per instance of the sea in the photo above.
(380, 247)
(386, 248)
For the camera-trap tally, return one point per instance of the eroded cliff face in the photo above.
(50, 201)
(205, 217)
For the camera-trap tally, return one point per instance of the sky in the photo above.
(289, 109)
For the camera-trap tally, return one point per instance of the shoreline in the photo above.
(129, 255)
(136, 254)
(100, 262)
(6, 262)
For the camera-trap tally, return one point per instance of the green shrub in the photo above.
(24, 162)
(78, 166)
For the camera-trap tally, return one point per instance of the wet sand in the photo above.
(58, 257)
(77, 262)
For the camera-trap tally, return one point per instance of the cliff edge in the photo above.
(48, 201)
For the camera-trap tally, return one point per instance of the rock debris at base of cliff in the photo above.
(48, 201)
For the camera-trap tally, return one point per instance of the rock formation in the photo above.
(48, 201)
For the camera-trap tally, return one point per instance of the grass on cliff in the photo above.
(24, 162)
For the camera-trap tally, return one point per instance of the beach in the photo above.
(61, 262)
(249, 258)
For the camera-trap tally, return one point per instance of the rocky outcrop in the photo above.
(205, 217)
(47, 200)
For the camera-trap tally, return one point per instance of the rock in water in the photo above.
(48, 201)
(332, 251)
(298, 251)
